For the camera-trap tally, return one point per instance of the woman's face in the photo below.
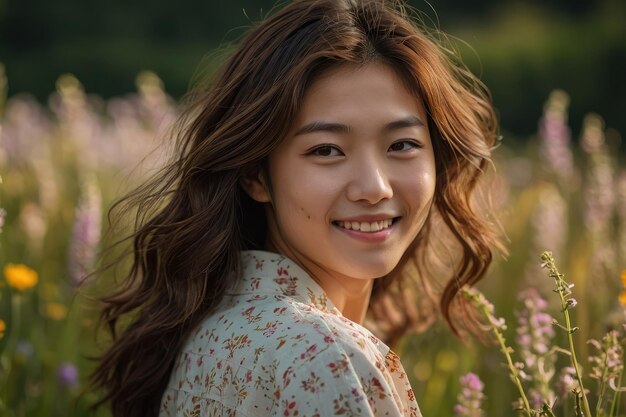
(358, 156)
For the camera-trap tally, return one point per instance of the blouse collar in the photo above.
(272, 273)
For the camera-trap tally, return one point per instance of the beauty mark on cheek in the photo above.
(308, 216)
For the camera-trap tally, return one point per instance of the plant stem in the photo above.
(602, 389)
(616, 394)
(560, 285)
(503, 348)
(512, 369)
(548, 412)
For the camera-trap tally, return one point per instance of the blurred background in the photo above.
(522, 49)
(88, 90)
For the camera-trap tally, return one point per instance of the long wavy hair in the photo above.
(193, 218)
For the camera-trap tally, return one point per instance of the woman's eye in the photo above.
(325, 150)
(400, 146)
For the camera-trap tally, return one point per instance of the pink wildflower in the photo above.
(534, 338)
(85, 235)
(3, 214)
(555, 137)
(607, 364)
(471, 396)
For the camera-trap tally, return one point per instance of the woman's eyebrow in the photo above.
(409, 121)
(321, 126)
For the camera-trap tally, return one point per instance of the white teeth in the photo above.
(366, 226)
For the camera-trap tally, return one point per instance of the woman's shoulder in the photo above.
(279, 351)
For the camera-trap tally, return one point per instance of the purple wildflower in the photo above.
(149, 147)
(571, 303)
(600, 190)
(566, 382)
(521, 372)
(599, 197)
(85, 234)
(482, 302)
(549, 231)
(78, 119)
(534, 338)
(3, 214)
(497, 326)
(67, 375)
(125, 122)
(26, 130)
(157, 106)
(549, 220)
(147, 117)
(607, 365)
(556, 136)
(471, 396)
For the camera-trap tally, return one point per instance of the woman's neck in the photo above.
(356, 308)
(351, 297)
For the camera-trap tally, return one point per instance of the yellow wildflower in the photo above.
(622, 298)
(20, 276)
(3, 327)
(624, 277)
(56, 311)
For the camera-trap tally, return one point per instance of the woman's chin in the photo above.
(373, 270)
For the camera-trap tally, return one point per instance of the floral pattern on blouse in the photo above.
(277, 346)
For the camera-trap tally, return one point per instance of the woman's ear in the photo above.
(255, 186)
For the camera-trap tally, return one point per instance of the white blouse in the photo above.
(277, 346)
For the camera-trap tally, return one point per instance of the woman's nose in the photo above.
(370, 182)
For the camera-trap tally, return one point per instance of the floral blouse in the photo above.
(277, 346)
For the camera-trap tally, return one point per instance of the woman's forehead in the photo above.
(351, 92)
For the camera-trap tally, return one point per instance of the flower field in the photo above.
(556, 319)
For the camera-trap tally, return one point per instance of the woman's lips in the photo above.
(365, 226)
(366, 235)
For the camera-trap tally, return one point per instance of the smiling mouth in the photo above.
(367, 227)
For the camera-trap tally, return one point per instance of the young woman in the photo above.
(314, 174)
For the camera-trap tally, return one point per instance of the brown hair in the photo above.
(193, 218)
